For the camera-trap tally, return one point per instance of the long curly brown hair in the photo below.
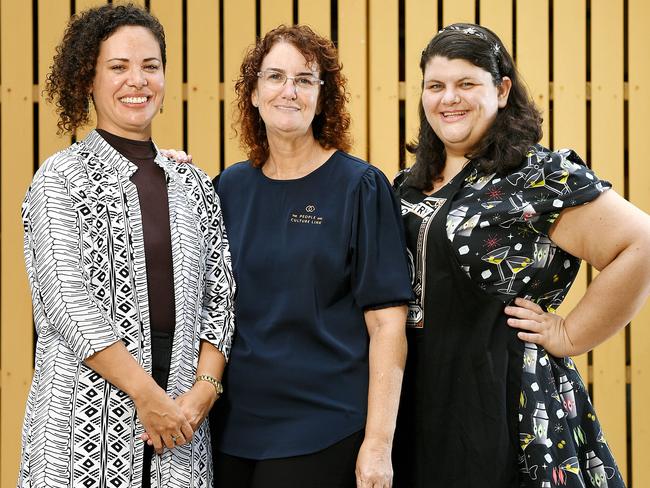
(71, 75)
(330, 126)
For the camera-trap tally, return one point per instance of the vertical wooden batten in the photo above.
(16, 168)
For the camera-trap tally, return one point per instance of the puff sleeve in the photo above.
(380, 276)
(550, 182)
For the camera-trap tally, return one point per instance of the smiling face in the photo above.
(129, 84)
(461, 102)
(286, 110)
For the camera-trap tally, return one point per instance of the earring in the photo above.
(161, 109)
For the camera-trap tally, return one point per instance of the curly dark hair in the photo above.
(516, 128)
(71, 75)
(330, 126)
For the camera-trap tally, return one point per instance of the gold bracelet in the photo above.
(218, 387)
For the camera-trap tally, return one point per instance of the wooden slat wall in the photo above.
(383, 110)
(570, 53)
(607, 159)
(569, 115)
(16, 168)
(639, 194)
(420, 24)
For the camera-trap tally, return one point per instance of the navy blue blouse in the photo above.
(309, 256)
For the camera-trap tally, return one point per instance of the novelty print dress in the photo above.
(84, 252)
(498, 228)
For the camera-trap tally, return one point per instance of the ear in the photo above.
(503, 91)
(254, 98)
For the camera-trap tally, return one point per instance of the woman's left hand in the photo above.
(195, 405)
(540, 327)
(197, 402)
(374, 467)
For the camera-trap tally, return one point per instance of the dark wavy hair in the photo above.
(516, 128)
(330, 126)
(71, 75)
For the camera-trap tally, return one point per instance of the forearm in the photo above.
(611, 300)
(117, 366)
(211, 363)
(387, 356)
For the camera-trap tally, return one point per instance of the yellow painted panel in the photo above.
(384, 86)
(569, 108)
(203, 125)
(274, 13)
(421, 19)
(168, 126)
(639, 193)
(238, 36)
(17, 160)
(496, 15)
(607, 160)
(53, 17)
(458, 11)
(316, 15)
(533, 52)
(353, 47)
(80, 6)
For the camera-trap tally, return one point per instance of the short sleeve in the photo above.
(380, 276)
(549, 182)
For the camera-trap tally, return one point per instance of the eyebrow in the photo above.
(280, 70)
(126, 60)
(464, 78)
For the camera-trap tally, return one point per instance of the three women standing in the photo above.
(130, 276)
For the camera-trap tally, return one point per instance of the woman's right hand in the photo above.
(163, 421)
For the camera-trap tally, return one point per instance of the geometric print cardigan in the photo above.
(84, 253)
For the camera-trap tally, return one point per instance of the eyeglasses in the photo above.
(277, 79)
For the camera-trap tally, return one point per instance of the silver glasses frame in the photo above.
(319, 82)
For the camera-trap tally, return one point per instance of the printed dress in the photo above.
(497, 231)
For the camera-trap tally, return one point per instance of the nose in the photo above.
(289, 90)
(136, 78)
(450, 97)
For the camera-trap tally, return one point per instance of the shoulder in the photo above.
(357, 171)
(242, 168)
(65, 164)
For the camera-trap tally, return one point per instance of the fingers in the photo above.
(525, 324)
(187, 431)
(528, 305)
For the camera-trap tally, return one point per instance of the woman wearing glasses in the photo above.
(318, 254)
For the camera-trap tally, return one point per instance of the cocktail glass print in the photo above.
(496, 257)
(516, 264)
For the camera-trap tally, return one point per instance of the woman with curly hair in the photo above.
(496, 225)
(320, 263)
(130, 275)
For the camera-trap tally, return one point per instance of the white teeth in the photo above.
(452, 114)
(133, 99)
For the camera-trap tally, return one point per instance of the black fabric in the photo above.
(332, 467)
(151, 183)
(457, 424)
(161, 354)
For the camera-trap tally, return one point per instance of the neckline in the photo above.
(301, 178)
(464, 171)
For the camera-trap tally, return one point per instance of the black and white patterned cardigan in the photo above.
(85, 259)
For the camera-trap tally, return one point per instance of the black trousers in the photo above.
(333, 467)
(161, 355)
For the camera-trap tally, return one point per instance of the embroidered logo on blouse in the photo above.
(308, 216)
